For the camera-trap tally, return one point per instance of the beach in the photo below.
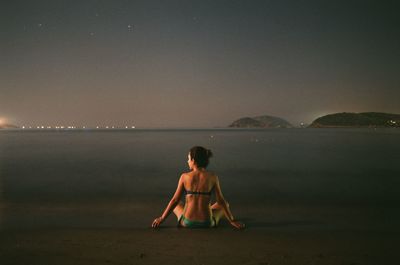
(312, 196)
(221, 246)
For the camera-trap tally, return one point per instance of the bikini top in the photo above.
(197, 192)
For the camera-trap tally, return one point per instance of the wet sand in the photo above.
(119, 233)
(170, 245)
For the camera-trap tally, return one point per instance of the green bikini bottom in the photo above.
(183, 221)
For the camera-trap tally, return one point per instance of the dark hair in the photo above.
(200, 155)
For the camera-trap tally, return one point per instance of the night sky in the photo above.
(195, 63)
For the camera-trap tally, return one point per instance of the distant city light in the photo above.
(59, 127)
(3, 121)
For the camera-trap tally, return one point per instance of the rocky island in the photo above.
(261, 122)
(364, 119)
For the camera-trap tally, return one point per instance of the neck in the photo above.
(195, 168)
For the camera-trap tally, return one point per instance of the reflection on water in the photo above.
(124, 178)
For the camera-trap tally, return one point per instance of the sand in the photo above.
(119, 233)
(273, 243)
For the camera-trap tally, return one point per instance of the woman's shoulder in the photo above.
(211, 174)
(184, 176)
(186, 173)
(207, 173)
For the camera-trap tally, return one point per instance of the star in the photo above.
(130, 27)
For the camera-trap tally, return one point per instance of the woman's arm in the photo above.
(221, 201)
(171, 205)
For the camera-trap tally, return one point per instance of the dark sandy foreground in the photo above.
(120, 234)
(170, 245)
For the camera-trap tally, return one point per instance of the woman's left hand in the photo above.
(156, 223)
(237, 224)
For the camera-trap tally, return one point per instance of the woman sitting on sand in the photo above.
(198, 185)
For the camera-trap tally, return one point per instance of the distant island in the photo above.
(364, 119)
(261, 122)
(8, 126)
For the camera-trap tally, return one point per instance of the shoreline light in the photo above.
(71, 127)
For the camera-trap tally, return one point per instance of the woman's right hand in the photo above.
(156, 223)
(237, 224)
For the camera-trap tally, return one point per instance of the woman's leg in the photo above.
(178, 211)
(218, 211)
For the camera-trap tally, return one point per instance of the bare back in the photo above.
(197, 206)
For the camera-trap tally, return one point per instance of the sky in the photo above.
(156, 64)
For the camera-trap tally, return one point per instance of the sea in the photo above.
(329, 179)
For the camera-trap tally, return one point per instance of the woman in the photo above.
(198, 185)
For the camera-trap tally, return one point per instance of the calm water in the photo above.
(125, 178)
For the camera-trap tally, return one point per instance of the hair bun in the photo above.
(200, 155)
